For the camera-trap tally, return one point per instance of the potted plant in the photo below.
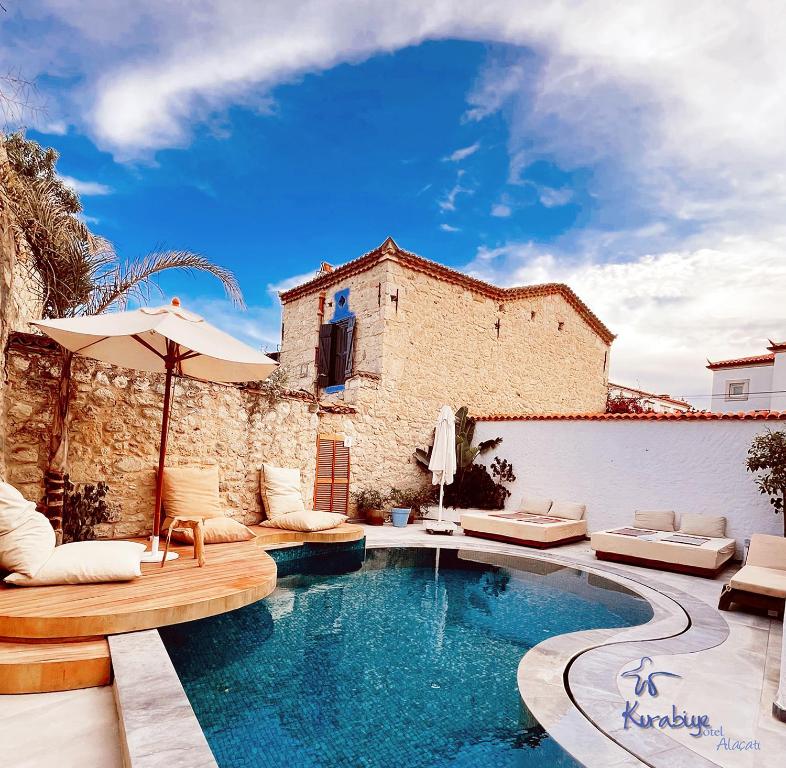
(371, 504)
(412, 499)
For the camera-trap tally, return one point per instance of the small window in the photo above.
(737, 390)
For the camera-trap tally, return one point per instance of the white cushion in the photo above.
(86, 562)
(281, 492)
(191, 491)
(694, 524)
(567, 510)
(305, 521)
(654, 520)
(28, 546)
(14, 508)
(534, 505)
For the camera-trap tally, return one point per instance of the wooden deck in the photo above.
(54, 638)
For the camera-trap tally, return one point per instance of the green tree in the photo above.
(767, 457)
(78, 273)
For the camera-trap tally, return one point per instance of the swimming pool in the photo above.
(409, 660)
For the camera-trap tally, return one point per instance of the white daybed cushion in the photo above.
(767, 551)
(712, 554)
(14, 508)
(535, 506)
(521, 529)
(306, 521)
(281, 491)
(703, 525)
(760, 580)
(27, 547)
(216, 530)
(86, 562)
(568, 510)
(656, 520)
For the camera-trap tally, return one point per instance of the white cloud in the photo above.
(87, 188)
(463, 153)
(501, 210)
(554, 198)
(671, 310)
(448, 202)
(448, 228)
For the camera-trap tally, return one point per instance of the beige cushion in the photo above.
(27, 547)
(760, 580)
(656, 520)
(280, 489)
(192, 491)
(568, 510)
(305, 521)
(711, 554)
(14, 508)
(86, 562)
(767, 551)
(534, 505)
(703, 525)
(218, 530)
(479, 522)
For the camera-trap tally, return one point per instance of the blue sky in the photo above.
(637, 157)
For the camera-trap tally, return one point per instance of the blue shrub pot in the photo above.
(400, 517)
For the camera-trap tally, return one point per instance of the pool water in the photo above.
(409, 660)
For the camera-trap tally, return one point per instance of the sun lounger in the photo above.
(538, 523)
(761, 583)
(684, 551)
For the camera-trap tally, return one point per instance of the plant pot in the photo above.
(375, 516)
(400, 516)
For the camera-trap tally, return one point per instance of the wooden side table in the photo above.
(197, 527)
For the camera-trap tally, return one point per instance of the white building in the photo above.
(650, 401)
(750, 383)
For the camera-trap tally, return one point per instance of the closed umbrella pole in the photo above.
(168, 340)
(443, 460)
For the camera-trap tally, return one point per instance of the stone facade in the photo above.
(426, 336)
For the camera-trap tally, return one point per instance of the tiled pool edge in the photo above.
(157, 724)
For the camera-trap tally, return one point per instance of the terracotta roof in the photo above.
(665, 398)
(742, 362)
(683, 416)
(777, 346)
(390, 250)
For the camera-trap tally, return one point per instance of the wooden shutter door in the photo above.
(325, 354)
(331, 489)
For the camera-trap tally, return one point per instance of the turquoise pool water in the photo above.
(403, 661)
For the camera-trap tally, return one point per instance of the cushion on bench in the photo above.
(709, 555)
(534, 505)
(760, 580)
(658, 520)
(703, 525)
(523, 530)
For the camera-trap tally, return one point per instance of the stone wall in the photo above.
(19, 301)
(116, 422)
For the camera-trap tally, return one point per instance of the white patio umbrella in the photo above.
(443, 455)
(166, 340)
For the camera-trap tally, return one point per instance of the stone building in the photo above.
(396, 335)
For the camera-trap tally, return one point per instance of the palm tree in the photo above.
(77, 273)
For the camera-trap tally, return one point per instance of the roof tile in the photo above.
(649, 416)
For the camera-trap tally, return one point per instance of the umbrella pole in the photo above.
(155, 555)
(441, 494)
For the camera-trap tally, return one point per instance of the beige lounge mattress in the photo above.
(711, 554)
(545, 533)
(760, 580)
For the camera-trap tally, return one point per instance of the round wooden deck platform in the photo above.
(235, 575)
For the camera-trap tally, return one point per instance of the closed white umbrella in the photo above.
(443, 454)
(166, 340)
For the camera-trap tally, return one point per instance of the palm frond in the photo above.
(120, 283)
